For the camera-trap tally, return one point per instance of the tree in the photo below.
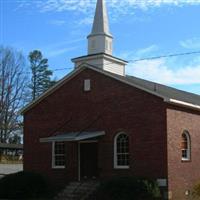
(13, 83)
(41, 75)
(15, 139)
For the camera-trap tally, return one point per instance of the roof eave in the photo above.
(182, 103)
(70, 139)
(92, 56)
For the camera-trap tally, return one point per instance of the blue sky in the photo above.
(141, 28)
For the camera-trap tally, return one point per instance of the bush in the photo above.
(127, 188)
(22, 185)
(196, 191)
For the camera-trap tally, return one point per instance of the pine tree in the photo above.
(41, 75)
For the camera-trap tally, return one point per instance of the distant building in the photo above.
(11, 150)
(98, 122)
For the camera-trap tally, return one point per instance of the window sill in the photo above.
(58, 167)
(121, 167)
(186, 160)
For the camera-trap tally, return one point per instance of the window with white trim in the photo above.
(185, 146)
(121, 151)
(58, 155)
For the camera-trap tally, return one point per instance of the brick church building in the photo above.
(97, 122)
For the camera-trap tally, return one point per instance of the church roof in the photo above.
(166, 91)
(160, 90)
(168, 94)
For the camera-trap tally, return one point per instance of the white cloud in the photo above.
(118, 6)
(159, 71)
(163, 70)
(193, 43)
(63, 5)
(86, 20)
(59, 48)
(57, 22)
(140, 53)
(57, 52)
(147, 50)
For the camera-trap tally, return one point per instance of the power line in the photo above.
(165, 56)
(133, 61)
(162, 56)
(60, 69)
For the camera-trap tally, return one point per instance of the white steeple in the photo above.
(100, 45)
(100, 39)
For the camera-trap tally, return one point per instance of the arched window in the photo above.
(186, 146)
(121, 151)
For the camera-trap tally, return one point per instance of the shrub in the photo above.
(196, 191)
(22, 185)
(126, 188)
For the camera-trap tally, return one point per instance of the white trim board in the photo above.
(182, 103)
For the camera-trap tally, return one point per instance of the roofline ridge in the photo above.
(115, 76)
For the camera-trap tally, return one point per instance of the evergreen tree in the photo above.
(41, 75)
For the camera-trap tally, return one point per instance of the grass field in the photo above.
(8, 159)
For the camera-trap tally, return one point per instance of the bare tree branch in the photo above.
(13, 84)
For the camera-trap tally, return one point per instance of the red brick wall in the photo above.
(110, 106)
(182, 175)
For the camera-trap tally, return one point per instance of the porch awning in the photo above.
(73, 136)
(11, 146)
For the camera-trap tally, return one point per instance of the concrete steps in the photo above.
(78, 190)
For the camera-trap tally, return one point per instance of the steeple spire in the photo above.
(100, 24)
(100, 45)
(100, 39)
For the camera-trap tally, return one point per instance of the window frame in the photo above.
(54, 166)
(188, 150)
(87, 85)
(116, 166)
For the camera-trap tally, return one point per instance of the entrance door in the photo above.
(88, 160)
